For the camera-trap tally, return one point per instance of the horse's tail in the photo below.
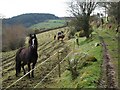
(18, 62)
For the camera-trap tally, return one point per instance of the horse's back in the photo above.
(21, 53)
(27, 55)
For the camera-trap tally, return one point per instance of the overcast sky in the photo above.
(10, 8)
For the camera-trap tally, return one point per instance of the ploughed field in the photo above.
(47, 49)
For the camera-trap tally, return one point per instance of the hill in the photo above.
(29, 19)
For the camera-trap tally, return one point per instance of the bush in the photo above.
(73, 68)
(71, 32)
(13, 37)
(75, 26)
(81, 33)
(37, 31)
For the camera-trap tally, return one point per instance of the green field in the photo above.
(49, 24)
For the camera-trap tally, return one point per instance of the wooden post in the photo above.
(59, 73)
(59, 55)
(73, 46)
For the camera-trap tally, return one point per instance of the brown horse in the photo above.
(26, 56)
(60, 35)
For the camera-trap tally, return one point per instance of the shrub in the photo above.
(37, 31)
(73, 68)
(81, 33)
(72, 32)
(78, 61)
(13, 37)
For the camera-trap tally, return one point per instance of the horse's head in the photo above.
(33, 41)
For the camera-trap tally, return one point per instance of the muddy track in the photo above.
(45, 69)
(8, 58)
(45, 44)
(108, 72)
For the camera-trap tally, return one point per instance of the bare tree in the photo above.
(82, 10)
(113, 10)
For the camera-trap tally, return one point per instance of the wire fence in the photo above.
(51, 71)
(36, 68)
(30, 71)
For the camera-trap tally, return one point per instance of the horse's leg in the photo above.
(62, 40)
(33, 66)
(23, 68)
(16, 70)
(29, 69)
(18, 67)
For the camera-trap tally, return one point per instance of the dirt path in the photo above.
(108, 72)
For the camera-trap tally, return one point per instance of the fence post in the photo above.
(59, 72)
(58, 64)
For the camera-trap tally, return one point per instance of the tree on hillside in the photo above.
(82, 11)
(113, 10)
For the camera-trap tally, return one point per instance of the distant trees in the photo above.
(82, 10)
(13, 37)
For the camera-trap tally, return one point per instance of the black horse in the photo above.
(26, 56)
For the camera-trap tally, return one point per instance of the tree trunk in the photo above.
(86, 26)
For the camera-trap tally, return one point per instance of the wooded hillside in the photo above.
(29, 19)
